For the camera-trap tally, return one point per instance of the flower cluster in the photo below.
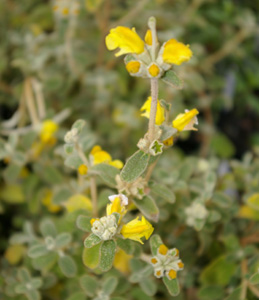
(66, 8)
(183, 122)
(166, 262)
(98, 156)
(107, 227)
(197, 212)
(146, 59)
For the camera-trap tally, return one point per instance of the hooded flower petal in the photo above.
(175, 52)
(186, 121)
(126, 39)
(48, 130)
(159, 113)
(136, 229)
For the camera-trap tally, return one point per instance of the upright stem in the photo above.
(153, 108)
(29, 99)
(94, 195)
(93, 187)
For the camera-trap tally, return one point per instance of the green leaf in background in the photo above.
(107, 173)
(254, 279)
(11, 173)
(211, 293)
(83, 223)
(73, 161)
(63, 239)
(79, 125)
(218, 272)
(61, 195)
(126, 245)
(37, 250)
(141, 273)
(135, 166)
(164, 192)
(222, 146)
(109, 285)
(107, 253)
(24, 275)
(148, 207)
(33, 295)
(89, 285)
(92, 240)
(67, 265)
(221, 199)
(12, 194)
(68, 149)
(45, 262)
(48, 228)
(155, 241)
(235, 295)
(148, 286)
(91, 256)
(172, 286)
(171, 78)
(77, 296)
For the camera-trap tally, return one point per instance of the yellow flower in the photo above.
(47, 133)
(159, 113)
(136, 229)
(175, 52)
(186, 121)
(133, 66)
(126, 39)
(121, 261)
(118, 205)
(169, 142)
(47, 201)
(100, 156)
(82, 169)
(78, 202)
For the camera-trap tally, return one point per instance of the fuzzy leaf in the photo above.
(135, 166)
(148, 286)
(107, 173)
(254, 279)
(91, 241)
(73, 161)
(63, 239)
(89, 285)
(163, 192)
(155, 241)
(79, 125)
(48, 228)
(148, 207)
(107, 252)
(172, 79)
(83, 223)
(126, 245)
(67, 265)
(91, 256)
(172, 286)
(37, 251)
(109, 285)
(45, 262)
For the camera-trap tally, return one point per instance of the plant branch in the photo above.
(152, 117)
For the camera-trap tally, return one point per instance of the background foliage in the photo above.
(218, 165)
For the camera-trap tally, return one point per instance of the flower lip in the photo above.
(126, 39)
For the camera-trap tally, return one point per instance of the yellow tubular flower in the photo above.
(186, 121)
(148, 37)
(159, 113)
(163, 249)
(133, 67)
(126, 39)
(136, 229)
(117, 164)
(48, 130)
(175, 52)
(172, 274)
